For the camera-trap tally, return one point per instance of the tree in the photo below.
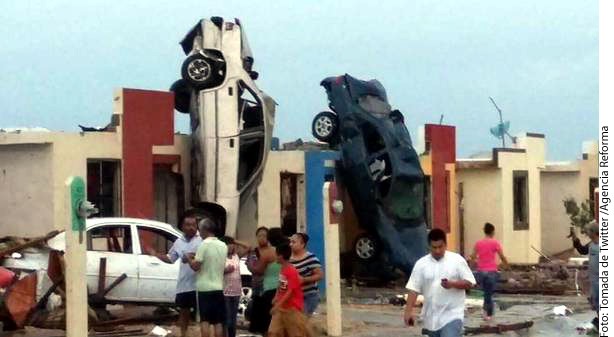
(579, 216)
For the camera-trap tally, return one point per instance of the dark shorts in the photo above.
(212, 306)
(186, 300)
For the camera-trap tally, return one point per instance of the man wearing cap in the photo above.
(184, 246)
(592, 250)
(209, 264)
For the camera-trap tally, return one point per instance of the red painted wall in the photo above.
(441, 142)
(148, 119)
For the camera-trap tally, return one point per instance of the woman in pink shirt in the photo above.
(485, 254)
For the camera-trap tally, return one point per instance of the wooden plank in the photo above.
(102, 274)
(30, 243)
(498, 328)
(115, 284)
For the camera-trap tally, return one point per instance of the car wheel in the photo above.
(202, 72)
(366, 247)
(324, 126)
(182, 93)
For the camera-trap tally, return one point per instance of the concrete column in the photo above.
(76, 282)
(331, 251)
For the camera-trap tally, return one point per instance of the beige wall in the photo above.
(68, 156)
(481, 202)
(264, 208)
(489, 197)
(518, 243)
(557, 186)
(269, 205)
(181, 146)
(561, 181)
(26, 189)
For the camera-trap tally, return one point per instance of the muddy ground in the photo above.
(366, 312)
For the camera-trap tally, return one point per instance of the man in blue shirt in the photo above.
(186, 282)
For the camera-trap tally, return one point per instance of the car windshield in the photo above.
(406, 199)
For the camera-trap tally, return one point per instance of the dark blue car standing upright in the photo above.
(380, 170)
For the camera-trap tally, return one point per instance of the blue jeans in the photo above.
(488, 282)
(312, 300)
(232, 307)
(452, 329)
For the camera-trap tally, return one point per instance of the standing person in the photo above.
(310, 270)
(255, 311)
(209, 262)
(442, 278)
(267, 266)
(486, 251)
(288, 317)
(184, 246)
(232, 284)
(592, 249)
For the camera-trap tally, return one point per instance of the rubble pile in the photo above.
(553, 278)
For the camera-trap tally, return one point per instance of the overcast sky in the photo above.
(61, 60)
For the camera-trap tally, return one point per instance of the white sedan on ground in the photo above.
(123, 242)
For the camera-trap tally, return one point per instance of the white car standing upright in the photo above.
(231, 119)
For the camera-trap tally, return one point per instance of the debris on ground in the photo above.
(160, 331)
(561, 310)
(499, 328)
(553, 278)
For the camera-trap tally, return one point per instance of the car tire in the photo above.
(202, 72)
(324, 126)
(182, 92)
(366, 247)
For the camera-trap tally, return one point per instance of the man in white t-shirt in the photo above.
(442, 278)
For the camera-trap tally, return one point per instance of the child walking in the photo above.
(288, 319)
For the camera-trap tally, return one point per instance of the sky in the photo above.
(61, 60)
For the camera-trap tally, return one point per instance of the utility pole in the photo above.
(332, 209)
(77, 210)
(500, 120)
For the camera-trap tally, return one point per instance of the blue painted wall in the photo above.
(315, 173)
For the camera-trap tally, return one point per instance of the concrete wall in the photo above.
(561, 181)
(269, 204)
(481, 202)
(68, 156)
(26, 189)
(520, 242)
(557, 186)
(489, 197)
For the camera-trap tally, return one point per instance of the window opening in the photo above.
(250, 109)
(521, 200)
(155, 239)
(103, 187)
(114, 238)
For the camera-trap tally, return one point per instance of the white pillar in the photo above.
(331, 252)
(76, 284)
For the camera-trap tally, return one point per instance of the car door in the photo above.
(113, 241)
(157, 279)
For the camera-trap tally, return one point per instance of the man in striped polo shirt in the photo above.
(310, 270)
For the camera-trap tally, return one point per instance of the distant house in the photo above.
(522, 195)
